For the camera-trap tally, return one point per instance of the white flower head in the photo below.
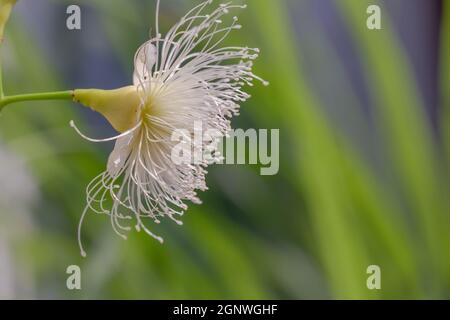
(180, 79)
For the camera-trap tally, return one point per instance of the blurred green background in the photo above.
(364, 158)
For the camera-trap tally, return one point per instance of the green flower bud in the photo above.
(5, 11)
(120, 106)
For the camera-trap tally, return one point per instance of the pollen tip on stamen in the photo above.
(83, 253)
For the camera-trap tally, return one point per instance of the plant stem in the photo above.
(57, 95)
(2, 94)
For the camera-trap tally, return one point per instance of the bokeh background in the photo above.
(365, 152)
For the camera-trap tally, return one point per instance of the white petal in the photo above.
(119, 155)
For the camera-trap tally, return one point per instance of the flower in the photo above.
(183, 78)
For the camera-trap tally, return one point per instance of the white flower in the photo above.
(179, 79)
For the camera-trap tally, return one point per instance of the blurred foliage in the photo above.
(309, 232)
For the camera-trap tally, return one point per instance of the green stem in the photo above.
(57, 95)
(2, 94)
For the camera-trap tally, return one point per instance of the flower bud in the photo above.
(119, 106)
(5, 11)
